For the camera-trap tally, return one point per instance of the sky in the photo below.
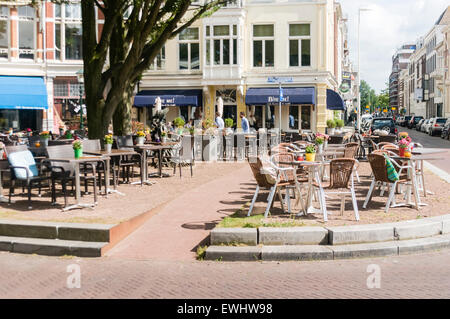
(388, 25)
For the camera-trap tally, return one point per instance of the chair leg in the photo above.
(190, 164)
(342, 205)
(369, 194)
(29, 195)
(53, 191)
(288, 199)
(280, 197)
(95, 191)
(391, 196)
(253, 201)
(270, 200)
(64, 189)
(11, 189)
(323, 204)
(180, 169)
(355, 204)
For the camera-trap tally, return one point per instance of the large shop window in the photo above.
(4, 31)
(26, 32)
(222, 40)
(160, 60)
(263, 45)
(299, 45)
(68, 32)
(189, 49)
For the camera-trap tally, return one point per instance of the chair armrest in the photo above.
(21, 167)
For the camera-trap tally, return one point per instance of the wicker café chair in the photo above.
(350, 151)
(377, 162)
(286, 177)
(341, 183)
(264, 180)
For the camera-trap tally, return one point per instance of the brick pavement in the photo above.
(413, 276)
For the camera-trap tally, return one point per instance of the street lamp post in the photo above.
(80, 77)
(359, 68)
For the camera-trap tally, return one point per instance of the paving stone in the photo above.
(292, 236)
(233, 253)
(297, 253)
(247, 236)
(360, 234)
(365, 250)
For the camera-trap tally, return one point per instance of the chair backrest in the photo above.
(387, 138)
(91, 145)
(341, 170)
(256, 166)
(187, 148)
(124, 141)
(284, 157)
(23, 159)
(335, 139)
(350, 150)
(14, 149)
(61, 151)
(60, 142)
(33, 139)
(378, 164)
(279, 149)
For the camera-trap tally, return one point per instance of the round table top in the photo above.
(426, 151)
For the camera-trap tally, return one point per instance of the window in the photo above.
(4, 30)
(26, 32)
(160, 60)
(263, 45)
(189, 49)
(222, 41)
(299, 45)
(68, 32)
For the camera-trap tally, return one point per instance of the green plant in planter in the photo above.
(68, 134)
(77, 146)
(229, 123)
(320, 140)
(339, 123)
(310, 149)
(109, 139)
(331, 124)
(178, 122)
(192, 130)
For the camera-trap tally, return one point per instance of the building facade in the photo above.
(227, 58)
(400, 62)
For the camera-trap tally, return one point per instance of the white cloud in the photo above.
(390, 24)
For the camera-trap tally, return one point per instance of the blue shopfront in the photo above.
(23, 99)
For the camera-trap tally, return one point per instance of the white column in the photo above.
(48, 123)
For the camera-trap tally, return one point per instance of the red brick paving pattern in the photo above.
(414, 276)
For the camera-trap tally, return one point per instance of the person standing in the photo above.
(244, 123)
(219, 121)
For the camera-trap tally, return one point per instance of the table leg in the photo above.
(78, 192)
(3, 199)
(107, 186)
(144, 174)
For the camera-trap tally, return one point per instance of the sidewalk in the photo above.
(184, 223)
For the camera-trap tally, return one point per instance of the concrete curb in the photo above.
(316, 252)
(342, 235)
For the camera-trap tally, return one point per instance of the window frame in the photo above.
(63, 21)
(189, 42)
(263, 48)
(209, 41)
(33, 21)
(7, 18)
(299, 39)
(154, 65)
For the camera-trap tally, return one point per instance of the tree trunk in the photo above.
(122, 118)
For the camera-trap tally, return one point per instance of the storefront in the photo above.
(297, 107)
(22, 102)
(186, 104)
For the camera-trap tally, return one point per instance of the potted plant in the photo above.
(45, 137)
(319, 141)
(78, 148)
(228, 125)
(331, 125)
(140, 137)
(403, 147)
(339, 124)
(179, 124)
(108, 143)
(69, 135)
(310, 153)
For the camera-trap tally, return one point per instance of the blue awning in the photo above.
(334, 101)
(169, 98)
(263, 96)
(23, 92)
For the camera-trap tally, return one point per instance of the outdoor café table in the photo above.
(313, 174)
(108, 155)
(149, 147)
(76, 163)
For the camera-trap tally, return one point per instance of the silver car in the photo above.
(424, 126)
(436, 125)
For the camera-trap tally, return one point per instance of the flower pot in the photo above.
(108, 148)
(320, 146)
(78, 153)
(44, 141)
(310, 157)
(402, 151)
(163, 139)
(331, 131)
(140, 140)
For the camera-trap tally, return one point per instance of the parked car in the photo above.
(405, 121)
(425, 126)
(419, 125)
(413, 121)
(446, 130)
(383, 123)
(436, 126)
